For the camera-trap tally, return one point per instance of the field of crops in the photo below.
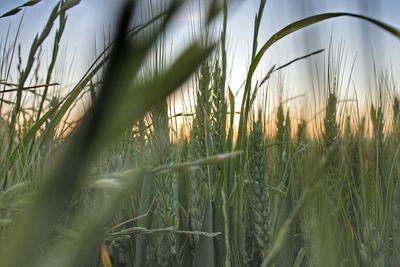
(230, 181)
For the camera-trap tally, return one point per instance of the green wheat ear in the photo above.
(396, 113)
(301, 135)
(258, 189)
(331, 127)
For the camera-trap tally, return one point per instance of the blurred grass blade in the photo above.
(282, 234)
(97, 130)
(11, 194)
(132, 60)
(36, 225)
(127, 233)
(117, 179)
(105, 256)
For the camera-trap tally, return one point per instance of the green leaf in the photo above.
(300, 257)
(31, 3)
(204, 255)
(69, 4)
(146, 199)
(11, 12)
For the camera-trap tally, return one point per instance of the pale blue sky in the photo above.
(91, 18)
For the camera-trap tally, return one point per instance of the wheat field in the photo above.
(230, 181)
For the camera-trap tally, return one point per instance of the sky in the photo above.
(90, 23)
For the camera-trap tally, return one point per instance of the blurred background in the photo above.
(92, 21)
